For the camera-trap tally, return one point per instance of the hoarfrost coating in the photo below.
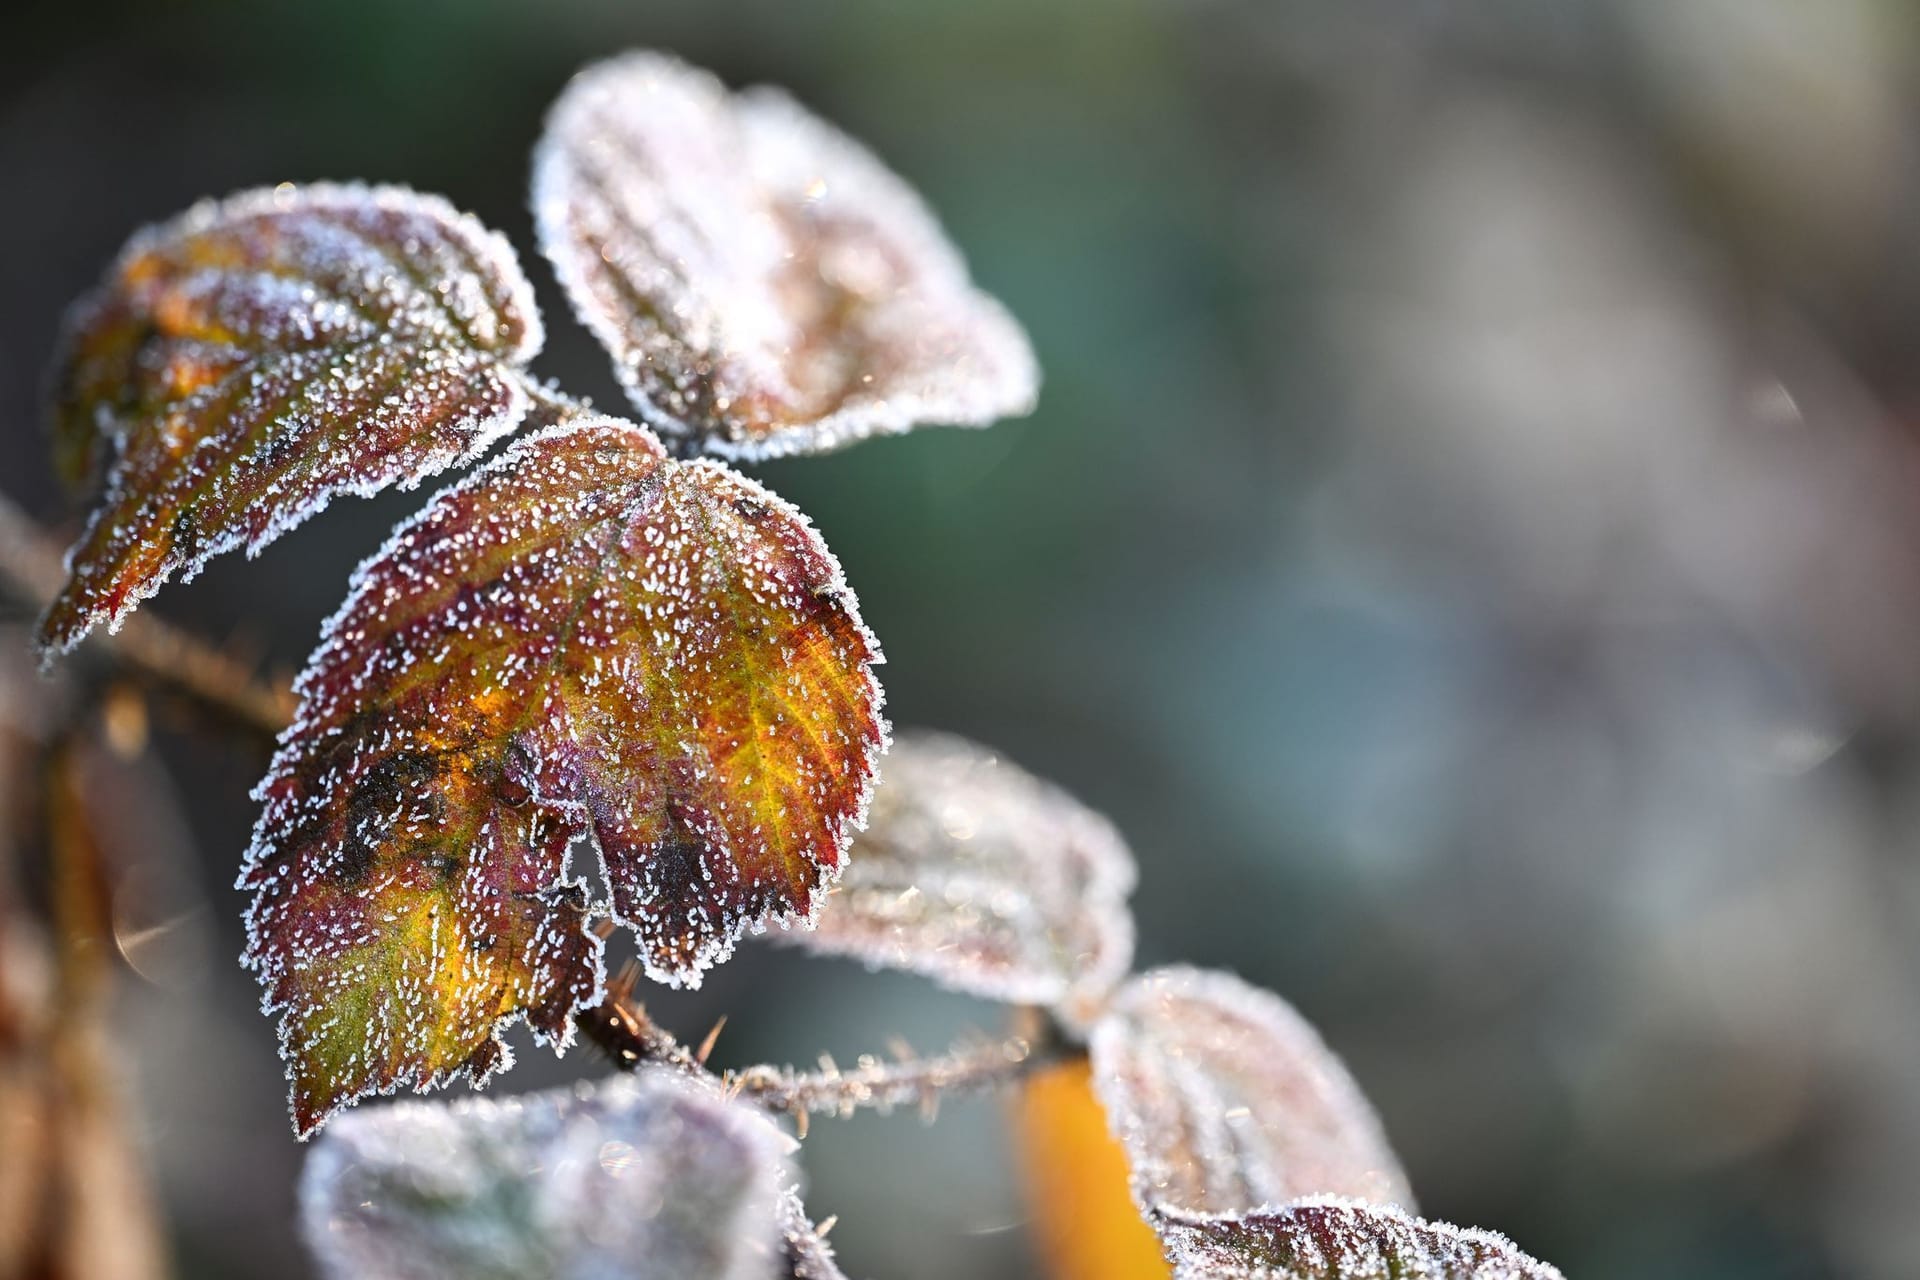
(1331, 1238)
(254, 357)
(583, 640)
(986, 879)
(654, 1176)
(1225, 1099)
(764, 284)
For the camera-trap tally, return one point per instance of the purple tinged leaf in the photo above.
(1225, 1099)
(584, 641)
(764, 284)
(1329, 1238)
(654, 1176)
(984, 878)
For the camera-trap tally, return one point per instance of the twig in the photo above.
(880, 1084)
(619, 1024)
(32, 570)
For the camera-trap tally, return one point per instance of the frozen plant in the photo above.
(607, 645)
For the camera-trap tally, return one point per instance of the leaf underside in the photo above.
(764, 284)
(1226, 1100)
(977, 874)
(1329, 1238)
(650, 1177)
(254, 357)
(583, 641)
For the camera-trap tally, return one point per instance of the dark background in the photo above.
(1467, 542)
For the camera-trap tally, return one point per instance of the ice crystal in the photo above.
(765, 285)
(1225, 1099)
(254, 357)
(649, 1176)
(981, 876)
(807, 1255)
(584, 640)
(1329, 1238)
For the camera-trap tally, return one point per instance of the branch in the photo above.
(619, 1024)
(32, 571)
(882, 1085)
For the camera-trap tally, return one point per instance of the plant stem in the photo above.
(32, 569)
(882, 1084)
(620, 1025)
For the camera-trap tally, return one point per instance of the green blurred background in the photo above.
(1467, 542)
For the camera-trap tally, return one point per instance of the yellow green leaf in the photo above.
(765, 285)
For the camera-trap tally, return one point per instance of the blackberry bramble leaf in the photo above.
(254, 357)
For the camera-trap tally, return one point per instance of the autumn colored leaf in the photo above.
(252, 358)
(764, 284)
(1084, 1220)
(654, 1176)
(1226, 1100)
(1328, 1238)
(985, 878)
(584, 640)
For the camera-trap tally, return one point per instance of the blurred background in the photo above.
(1468, 542)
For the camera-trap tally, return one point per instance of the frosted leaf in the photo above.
(977, 874)
(765, 285)
(1225, 1099)
(583, 640)
(254, 357)
(1328, 1238)
(639, 1177)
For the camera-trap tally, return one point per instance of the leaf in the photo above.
(252, 358)
(583, 640)
(1328, 1238)
(641, 1177)
(764, 284)
(1084, 1221)
(977, 874)
(1225, 1099)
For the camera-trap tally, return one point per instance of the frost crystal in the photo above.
(582, 640)
(637, 1178)
(807, 1255)
(765, 285)
(1328, 1238)
(1226, 1100)
(981, 876)
(254, 357)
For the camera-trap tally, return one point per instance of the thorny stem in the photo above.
(32, 569)
(620, 1025)
(31, 572)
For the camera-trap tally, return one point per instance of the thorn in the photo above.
(800, 1124)
(827, 1064)
(900, 1049)
(705, 1050)
(827, 1224)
